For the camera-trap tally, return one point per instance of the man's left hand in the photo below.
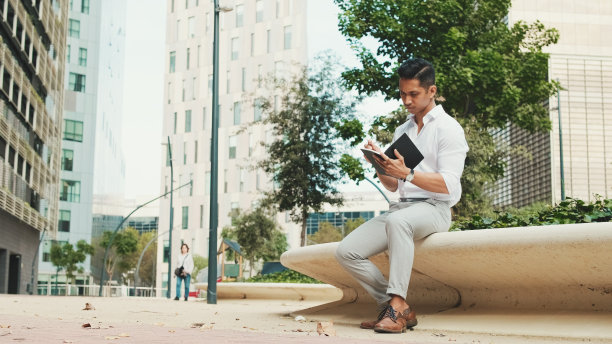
(395, 167)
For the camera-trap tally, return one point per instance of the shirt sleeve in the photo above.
(452, 151)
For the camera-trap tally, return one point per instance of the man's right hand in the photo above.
(372, 146)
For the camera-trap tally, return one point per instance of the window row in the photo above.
(235, 49)
(84, 6)
(82, 58)
(21, 35)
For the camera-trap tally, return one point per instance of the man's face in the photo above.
(415, 98)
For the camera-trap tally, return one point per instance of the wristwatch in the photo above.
(409, 176)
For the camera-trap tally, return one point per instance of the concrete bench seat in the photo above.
(529, 270)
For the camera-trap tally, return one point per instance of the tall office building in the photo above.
(33, 37)
(582, 62)
(257, 37)
(91, 156)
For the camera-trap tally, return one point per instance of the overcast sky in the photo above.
(144, 75)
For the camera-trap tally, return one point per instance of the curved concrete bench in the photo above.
(273, 291)
(544, 269)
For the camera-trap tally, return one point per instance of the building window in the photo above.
(76, 82)
(227, 85)
(184, 89)
(83, 57)
(184, 154)
(68, 53)
(259, 11)
(74, 28)
(170, 90)
(185, 221)
(287, 37)
(252, 44)
(225, 181)
(73, 130)
(85, 6)
(235, 44)
(166, 252)
(195, 152)
(70, 191)
(268, 40)
(237, 110)
(187, 121)
(239, 15)
(277, 8)
(172, 61)
(243, 81)
(175, 121)
(191, 185)
(207, 26)
(191, 26)
(251, 144)
(67, 159)
(257, 109)
(232, 147)
(201, 215)
(188, 58)
(210, 83)
(63, 224)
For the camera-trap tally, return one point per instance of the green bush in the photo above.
(569, 211)
(286, 276)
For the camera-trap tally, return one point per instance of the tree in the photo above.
(257, 234)
(326, 233)
(302, 160)
(199, 263)
(488, 74)
(65, 257)
(146, 271)
(121, 253)
(351, 225)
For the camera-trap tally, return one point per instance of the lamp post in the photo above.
(168, 285)
(211, 293)
(560, 145)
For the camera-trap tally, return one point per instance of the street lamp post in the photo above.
(168, 286)
(560, 145)
(211, 293)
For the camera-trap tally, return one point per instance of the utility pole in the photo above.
(168, 285)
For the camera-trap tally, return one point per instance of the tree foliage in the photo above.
(65, 257)
(121, 253)
(488, 74)
(326, 233)
(257, 234)
(302, 159)
(199, 263)
(148, 264)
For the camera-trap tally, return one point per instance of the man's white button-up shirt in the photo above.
(443, 145)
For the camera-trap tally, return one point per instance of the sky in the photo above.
(144, 83)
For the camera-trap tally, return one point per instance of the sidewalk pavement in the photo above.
(58, 319)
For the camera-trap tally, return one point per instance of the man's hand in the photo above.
(370, 145)
(395, 167)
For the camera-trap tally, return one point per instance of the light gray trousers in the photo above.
(396, 231)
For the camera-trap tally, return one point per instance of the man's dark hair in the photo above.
(419, 69)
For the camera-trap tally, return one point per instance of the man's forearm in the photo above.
(390, 183)
(433, 182)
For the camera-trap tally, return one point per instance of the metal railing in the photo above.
(63, 289)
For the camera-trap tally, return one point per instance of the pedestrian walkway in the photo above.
(57, 319)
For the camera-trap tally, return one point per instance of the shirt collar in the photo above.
(430, 116)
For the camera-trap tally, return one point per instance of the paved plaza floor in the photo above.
(57, 319)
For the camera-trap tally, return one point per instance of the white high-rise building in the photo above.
(92, 161)
(257, 37)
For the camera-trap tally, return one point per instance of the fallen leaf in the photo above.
(88, 307)
(124, 335)
(5, 333)
(300, 318)
(194, 325)
(67, 341)
(326, 328)
(111, 337)
(159, 324)
(171, 331)
(86, 325)
(5, 326)
(237, 318)
(206, 327)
